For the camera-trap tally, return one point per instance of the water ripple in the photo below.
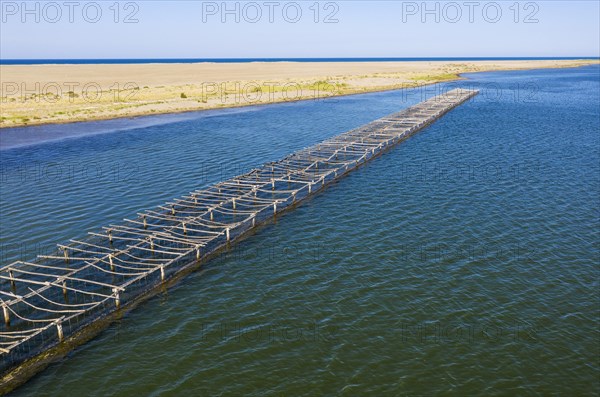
(464, 262)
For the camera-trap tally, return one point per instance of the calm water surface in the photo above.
(463, 262)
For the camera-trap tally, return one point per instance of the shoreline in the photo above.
(232, 106)
(125, 61)
(160, 95)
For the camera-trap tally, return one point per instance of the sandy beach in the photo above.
(39, 94)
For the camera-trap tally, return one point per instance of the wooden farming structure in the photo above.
(48, 300)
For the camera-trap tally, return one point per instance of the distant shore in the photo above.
(44, 94)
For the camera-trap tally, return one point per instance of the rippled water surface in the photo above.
(465, 261)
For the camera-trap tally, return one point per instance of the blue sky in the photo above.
(200, 29)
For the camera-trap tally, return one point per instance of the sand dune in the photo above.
(37, 94)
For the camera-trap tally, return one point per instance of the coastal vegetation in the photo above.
(31, 96)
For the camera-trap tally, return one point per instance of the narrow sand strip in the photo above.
(39, 94)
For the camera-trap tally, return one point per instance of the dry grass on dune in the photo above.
(38, 94)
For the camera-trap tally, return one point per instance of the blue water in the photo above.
(463, 262)
(245, 60)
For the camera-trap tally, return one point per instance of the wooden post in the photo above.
(64, 288)
(210, 211)
(310, 188)
(66, 253)
(227, 233)
(275, 208)
(172, 209)
(6, 315)
(184, 228)
(60, 332)
(162, 273)
(110, 259)
(197, 252)
(233, 201)
(117, 298)
(294, 197)
(151, 244)
(253, 220)
(145, 223)
(272, 183)
(12, 279)
(110, 236)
